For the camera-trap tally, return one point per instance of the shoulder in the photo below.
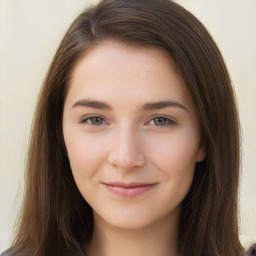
(251, 251)
(6, 253)
(10, 252)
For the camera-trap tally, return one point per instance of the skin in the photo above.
(129, 142)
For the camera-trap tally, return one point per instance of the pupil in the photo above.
(96, 120)
(160, 121)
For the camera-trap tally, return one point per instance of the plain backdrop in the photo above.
(30, 31)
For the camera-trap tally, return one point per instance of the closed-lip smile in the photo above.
(128, 189)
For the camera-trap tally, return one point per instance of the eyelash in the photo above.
(86, 119)
(167, 121)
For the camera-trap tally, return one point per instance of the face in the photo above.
(131, 134)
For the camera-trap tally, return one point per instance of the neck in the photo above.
(160, 238)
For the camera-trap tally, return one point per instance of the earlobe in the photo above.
(200, 155)
(201, 152)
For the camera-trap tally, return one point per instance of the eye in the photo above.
(161, 121)
(94, 120)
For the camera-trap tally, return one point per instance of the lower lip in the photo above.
(128, 192)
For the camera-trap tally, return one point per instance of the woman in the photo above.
(135, 141)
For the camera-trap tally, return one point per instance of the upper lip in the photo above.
(127, 185)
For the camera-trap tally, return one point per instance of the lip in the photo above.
(128, 189)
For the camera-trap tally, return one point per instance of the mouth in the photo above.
(128, 189)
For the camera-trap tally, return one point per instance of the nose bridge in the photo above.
(126, 149)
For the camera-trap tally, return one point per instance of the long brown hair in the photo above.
(55, 218)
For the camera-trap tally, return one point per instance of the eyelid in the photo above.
(85, 118)
(168, 118)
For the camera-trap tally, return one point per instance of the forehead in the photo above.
(121, 55)
(119, 70)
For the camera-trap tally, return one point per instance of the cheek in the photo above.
(85, 155)
(177, 151)
(176, 157)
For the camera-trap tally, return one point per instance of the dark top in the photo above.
(250, 252)
(27, 253)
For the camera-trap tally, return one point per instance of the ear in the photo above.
(201, 152)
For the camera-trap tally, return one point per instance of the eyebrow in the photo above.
(163, 104)
(92, 104)
(147, 106)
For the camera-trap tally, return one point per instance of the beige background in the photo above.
(30, 31)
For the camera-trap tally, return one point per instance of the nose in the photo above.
(126, 150)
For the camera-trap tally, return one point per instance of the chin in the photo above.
(134, 219)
